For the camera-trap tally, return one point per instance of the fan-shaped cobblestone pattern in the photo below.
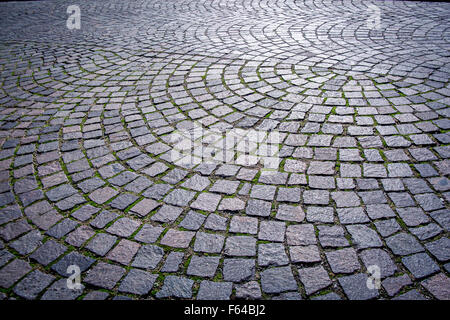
(87, 119)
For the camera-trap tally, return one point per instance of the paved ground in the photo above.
(87, 120)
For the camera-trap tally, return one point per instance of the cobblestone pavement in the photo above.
(87, 177)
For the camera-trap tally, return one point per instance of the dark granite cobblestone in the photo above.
(88, 178)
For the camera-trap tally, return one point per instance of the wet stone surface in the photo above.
(92, 174)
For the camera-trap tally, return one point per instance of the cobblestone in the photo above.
(238, 270)
(314, 279)
(92, 174)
